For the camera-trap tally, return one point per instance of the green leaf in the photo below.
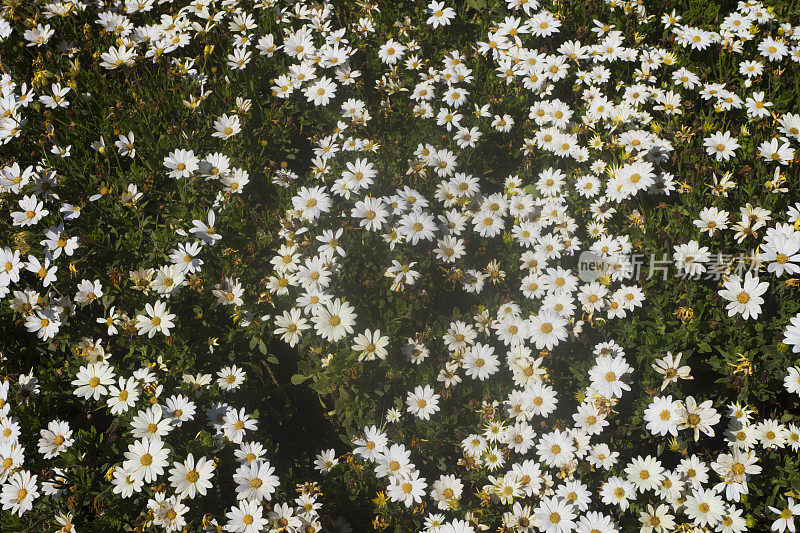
(298, 379)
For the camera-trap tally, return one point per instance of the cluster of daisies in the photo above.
(547, 304)
(705, 493)
(152, 421)
(589, 154)
(155, 412)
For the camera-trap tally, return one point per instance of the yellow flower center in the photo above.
(743, 297)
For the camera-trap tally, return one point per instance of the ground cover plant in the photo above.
(411, 266)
